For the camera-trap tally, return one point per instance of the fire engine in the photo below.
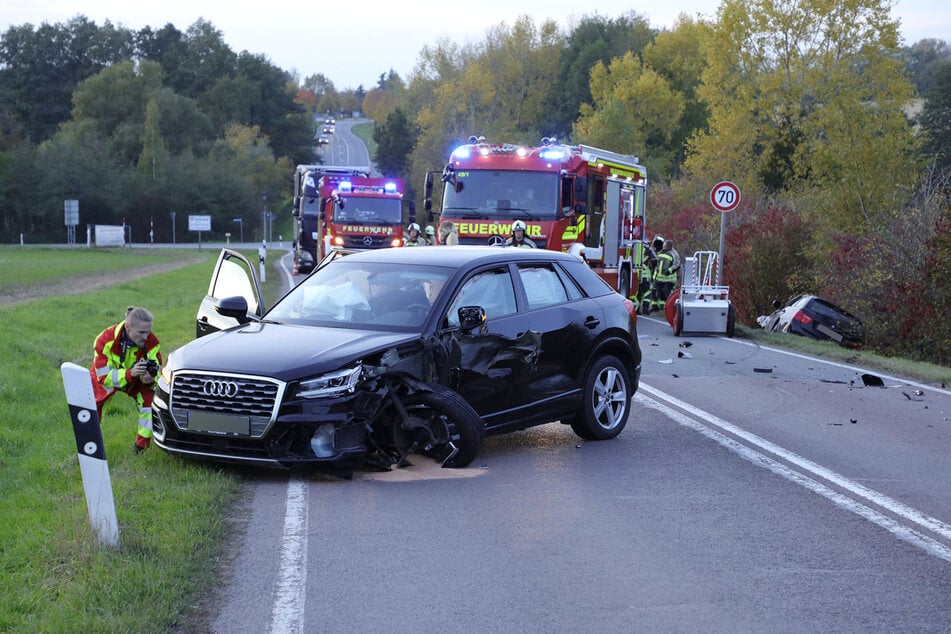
(343, 208)
(573, 198)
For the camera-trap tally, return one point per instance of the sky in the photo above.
(354, 47)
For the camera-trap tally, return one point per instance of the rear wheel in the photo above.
(679, 321)
(607, 400)
(624, 284)
(457, 430)
(730, 321)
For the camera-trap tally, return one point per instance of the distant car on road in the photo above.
(816, 318)
(385, 353)
(323, 139)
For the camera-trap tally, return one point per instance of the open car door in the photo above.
(233, 278)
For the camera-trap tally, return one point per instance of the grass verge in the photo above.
(918, 370)
(172, 513)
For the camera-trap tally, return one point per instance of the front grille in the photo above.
(366, 242)
(228, 394)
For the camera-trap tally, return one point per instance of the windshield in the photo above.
(371, 211)
(505, 194)
(349, 294)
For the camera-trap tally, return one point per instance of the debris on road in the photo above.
(763, 370)
(871, 380)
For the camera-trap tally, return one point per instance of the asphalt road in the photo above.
(346, 148)
(753, 490)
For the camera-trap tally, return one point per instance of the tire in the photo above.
(463, 425)
(624, 284)
(679, 321)
(607, 400)
(730, 322)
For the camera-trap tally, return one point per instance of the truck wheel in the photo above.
(679, 320)
(624, 284)
(607, 400)
(730, 321)
(450, 417)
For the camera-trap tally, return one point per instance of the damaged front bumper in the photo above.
(332, 432)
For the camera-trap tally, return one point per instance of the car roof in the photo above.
(457, 256)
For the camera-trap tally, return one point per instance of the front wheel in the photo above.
(457, 430)
(607, 400)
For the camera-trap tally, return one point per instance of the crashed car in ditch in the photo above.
(816, 318)
(385, 353)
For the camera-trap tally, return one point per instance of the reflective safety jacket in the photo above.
(115, 354)
(524, 244)
(665, 268)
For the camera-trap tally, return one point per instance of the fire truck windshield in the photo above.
(502, 194)
(370, 211)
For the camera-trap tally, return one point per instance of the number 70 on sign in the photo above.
(725, 196)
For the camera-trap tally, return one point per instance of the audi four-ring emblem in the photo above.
(227, 389)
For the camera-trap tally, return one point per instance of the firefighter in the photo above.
(430, 235)
(414, 239)
(664, 277)
(127, 358)
(518, 237)
(645, 271)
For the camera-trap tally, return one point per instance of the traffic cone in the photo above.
(295, 272)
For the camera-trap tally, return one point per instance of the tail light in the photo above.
(631, 308)
(802, 317)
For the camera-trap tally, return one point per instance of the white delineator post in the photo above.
(92, 452)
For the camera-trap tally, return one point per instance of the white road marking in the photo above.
(926, 543)
(287, 616)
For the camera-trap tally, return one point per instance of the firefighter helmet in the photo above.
(518, 224)
(413, 227)
(430, 231)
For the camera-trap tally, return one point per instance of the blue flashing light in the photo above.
(461, 152)
(345, 186)
(390, 188)
(553, 154)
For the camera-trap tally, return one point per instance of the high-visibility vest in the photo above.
(664, 271)
(111, 366)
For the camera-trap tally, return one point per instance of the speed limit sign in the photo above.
(725, 196)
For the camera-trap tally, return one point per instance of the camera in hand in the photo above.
(151, 366)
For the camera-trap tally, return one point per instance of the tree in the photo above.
(923, 59)
(806, 102)
(39, 68)
(635, 111)
(395, 140)
(594, 39)
(153, 161)
(935, 117)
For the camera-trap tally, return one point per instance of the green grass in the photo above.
(24, 267)
(55, 577)
(924, 372)
(365, 132)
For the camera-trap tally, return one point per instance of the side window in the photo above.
(490, 289)
(570, 286)
(542, 286)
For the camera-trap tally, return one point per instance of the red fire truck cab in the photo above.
(578, 199)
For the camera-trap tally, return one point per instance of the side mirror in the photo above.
(470, 318)
(776, 304)
(235, 307)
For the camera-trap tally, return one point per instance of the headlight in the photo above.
(330, 384)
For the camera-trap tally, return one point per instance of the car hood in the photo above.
(282, 351)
